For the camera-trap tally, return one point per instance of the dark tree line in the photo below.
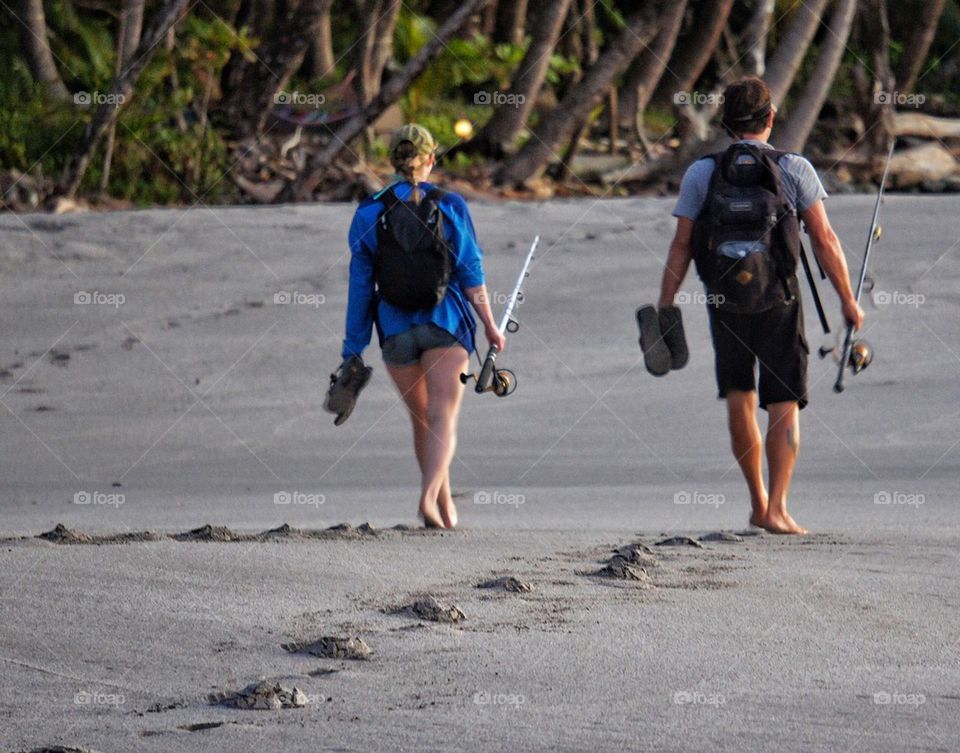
(582, 67)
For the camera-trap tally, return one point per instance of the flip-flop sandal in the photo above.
(671, 329)
(345, 386)
(656, 355)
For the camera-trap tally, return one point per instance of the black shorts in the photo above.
(406, 348)
(774, 338)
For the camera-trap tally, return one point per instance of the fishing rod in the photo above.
(857, 354)
(502, 382)
(813, 287)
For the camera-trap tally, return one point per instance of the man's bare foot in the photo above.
(783, 523)
(448, 511)
(757, 521)
(431, 518)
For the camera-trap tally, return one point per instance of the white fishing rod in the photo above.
(503, 382)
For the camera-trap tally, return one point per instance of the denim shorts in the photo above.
(406, 348)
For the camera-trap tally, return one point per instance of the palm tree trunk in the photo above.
(918, 45)
(497, 137)
(694, 50)
(558, 125)
(36, 47)
(755, 37)
(783, 66)
(801, 121)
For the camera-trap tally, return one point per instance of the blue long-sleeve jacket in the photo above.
(365, 308)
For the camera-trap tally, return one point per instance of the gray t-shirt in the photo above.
(801, 185)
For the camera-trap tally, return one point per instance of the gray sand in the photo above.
(175, 432)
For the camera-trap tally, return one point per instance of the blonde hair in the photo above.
(406, 160)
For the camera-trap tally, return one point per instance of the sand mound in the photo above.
(637, 554)
(507, 583)
(620, 569)
(432, 609)
(333, 647)
(63, 535)
(207, 533)
(680, 541)
(260, 696)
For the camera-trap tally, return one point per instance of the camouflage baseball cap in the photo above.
(417, 135)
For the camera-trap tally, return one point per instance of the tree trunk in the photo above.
(379, 18)
(915, 49)
(132, 26)
(785, 62)
(511, 21)
(694, 50)
(323, 61)
(557, 125)
(36, 48)
(128, 39)
(755, 37)
(246, 105)
(878, 117)
(801, 121)
(388, 94)
(647, 70)
(497, 137)
(251, 15)
(120, 91)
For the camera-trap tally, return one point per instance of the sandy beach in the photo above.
(162, 375)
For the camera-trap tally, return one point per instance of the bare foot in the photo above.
(448, 511)
(430, 518)
(783, 523)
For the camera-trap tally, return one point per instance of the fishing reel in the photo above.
(503, 382)
(861, 354)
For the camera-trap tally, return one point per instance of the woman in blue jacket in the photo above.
(426, 350)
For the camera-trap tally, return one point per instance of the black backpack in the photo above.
(746, 239)
(412, 264)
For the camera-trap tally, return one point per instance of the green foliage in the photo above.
(37, 133)
(82, 44)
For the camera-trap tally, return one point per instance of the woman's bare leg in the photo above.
(442, 368)
(412, 386)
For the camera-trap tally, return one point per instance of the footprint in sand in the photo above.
(333, 647)
(722, 536)
(261, 696)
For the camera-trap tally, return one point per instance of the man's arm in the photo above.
(827, 247)
(678, 262)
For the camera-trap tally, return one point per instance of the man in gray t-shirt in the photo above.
(773, 339)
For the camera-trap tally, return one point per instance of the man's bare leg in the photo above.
(783, 446)
(747, 443)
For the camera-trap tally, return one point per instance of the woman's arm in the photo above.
(360, 299)
(469, 265)
(480, 300)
